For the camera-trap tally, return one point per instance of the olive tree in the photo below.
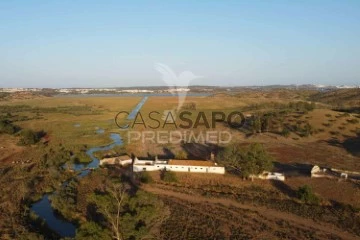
(245, 161)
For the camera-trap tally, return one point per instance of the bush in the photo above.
(28, 137)
(353, 121)
(145, 177)
(181, 155)
(8, 127)
(285, 132)
(334, 133)
(306, 195)
(327, 124)
(168, 176)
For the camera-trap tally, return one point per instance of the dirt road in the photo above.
(299, 221)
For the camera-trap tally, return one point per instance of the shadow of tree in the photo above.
(293, 169)
(200, 151)
(284, 188)
(167, 153)
(351, 144)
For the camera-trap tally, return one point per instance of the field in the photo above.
(240, 209)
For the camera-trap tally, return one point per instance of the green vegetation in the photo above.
(168, 176)
(291, 106)
(181, 155)
(342, 216)
(73, 110)
(91, 204)
(126, 215)
(305, 194)
(7, 127)
(4, 95)
(353, 121)
(245, 162)
(65, 199)
(145, 177)
(189, 106)
(285, 132)
(340, 99)
(28, 137)
(92, 231)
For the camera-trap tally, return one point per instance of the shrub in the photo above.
(145, 177)
(353, 121)
(181, 155)
(305, 194)
(8, 127)
(28, 137)
(334, 133)
(285, 132)
(168, 176)
(327, 124)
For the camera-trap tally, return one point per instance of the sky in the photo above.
(229, 43)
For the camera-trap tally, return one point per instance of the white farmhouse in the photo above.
(121, 160)
(272, 176)
(195, 166)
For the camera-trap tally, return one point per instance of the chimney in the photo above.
(212, 157)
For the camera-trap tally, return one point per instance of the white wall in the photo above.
(270, 176)
(115, 161)
(179, 168)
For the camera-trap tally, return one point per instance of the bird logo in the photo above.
(177, 84)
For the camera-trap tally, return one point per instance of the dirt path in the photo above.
(308, 223)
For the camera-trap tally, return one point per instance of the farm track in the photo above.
(269, 213)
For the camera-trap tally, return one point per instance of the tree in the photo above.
(265, 123)
(246, 162)
(28, 137)
(128, 215)
(305, 194)
(92, 231)
(8, 127)
(110, 205)
(145, 177)
(308, 130)
(232, 158)
(285, 132)
(255, 124)
(181, 155)
(168, 176)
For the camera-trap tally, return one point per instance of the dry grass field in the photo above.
(71, 127)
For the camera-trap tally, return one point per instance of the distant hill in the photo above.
(20, 96)
(340, 98)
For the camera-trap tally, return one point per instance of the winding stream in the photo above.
(43, 207)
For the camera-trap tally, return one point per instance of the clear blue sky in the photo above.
(113, 43)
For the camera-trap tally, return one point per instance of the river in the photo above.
(43, 207)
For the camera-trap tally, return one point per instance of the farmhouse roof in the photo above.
(123, 157)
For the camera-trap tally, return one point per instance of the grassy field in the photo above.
(73, 122)
(71, 127)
